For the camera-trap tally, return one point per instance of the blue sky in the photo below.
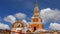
(11, 7)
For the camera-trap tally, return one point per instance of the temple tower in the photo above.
(36, 21)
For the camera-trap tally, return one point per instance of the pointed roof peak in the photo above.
(36, 3)
(36, 6)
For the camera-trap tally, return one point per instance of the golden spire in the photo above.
(36, 3)
(36, 9)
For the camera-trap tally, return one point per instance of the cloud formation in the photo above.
(20, 15)
(25, 22)
(4, 26)
(54, 26)
(50, 15)
(10, 18)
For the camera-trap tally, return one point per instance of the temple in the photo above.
(34, 27)
(36, 20)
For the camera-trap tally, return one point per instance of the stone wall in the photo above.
(29, 32)
(4, 31)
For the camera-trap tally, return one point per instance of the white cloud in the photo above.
(25, 22)
(4, 26)
(54, 26)
(20, 15)
(10, 19)
(50, 15)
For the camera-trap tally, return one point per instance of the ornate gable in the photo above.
(18, 24)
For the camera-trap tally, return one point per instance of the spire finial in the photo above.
(36, 2)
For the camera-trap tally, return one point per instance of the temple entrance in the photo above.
(34, 28)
